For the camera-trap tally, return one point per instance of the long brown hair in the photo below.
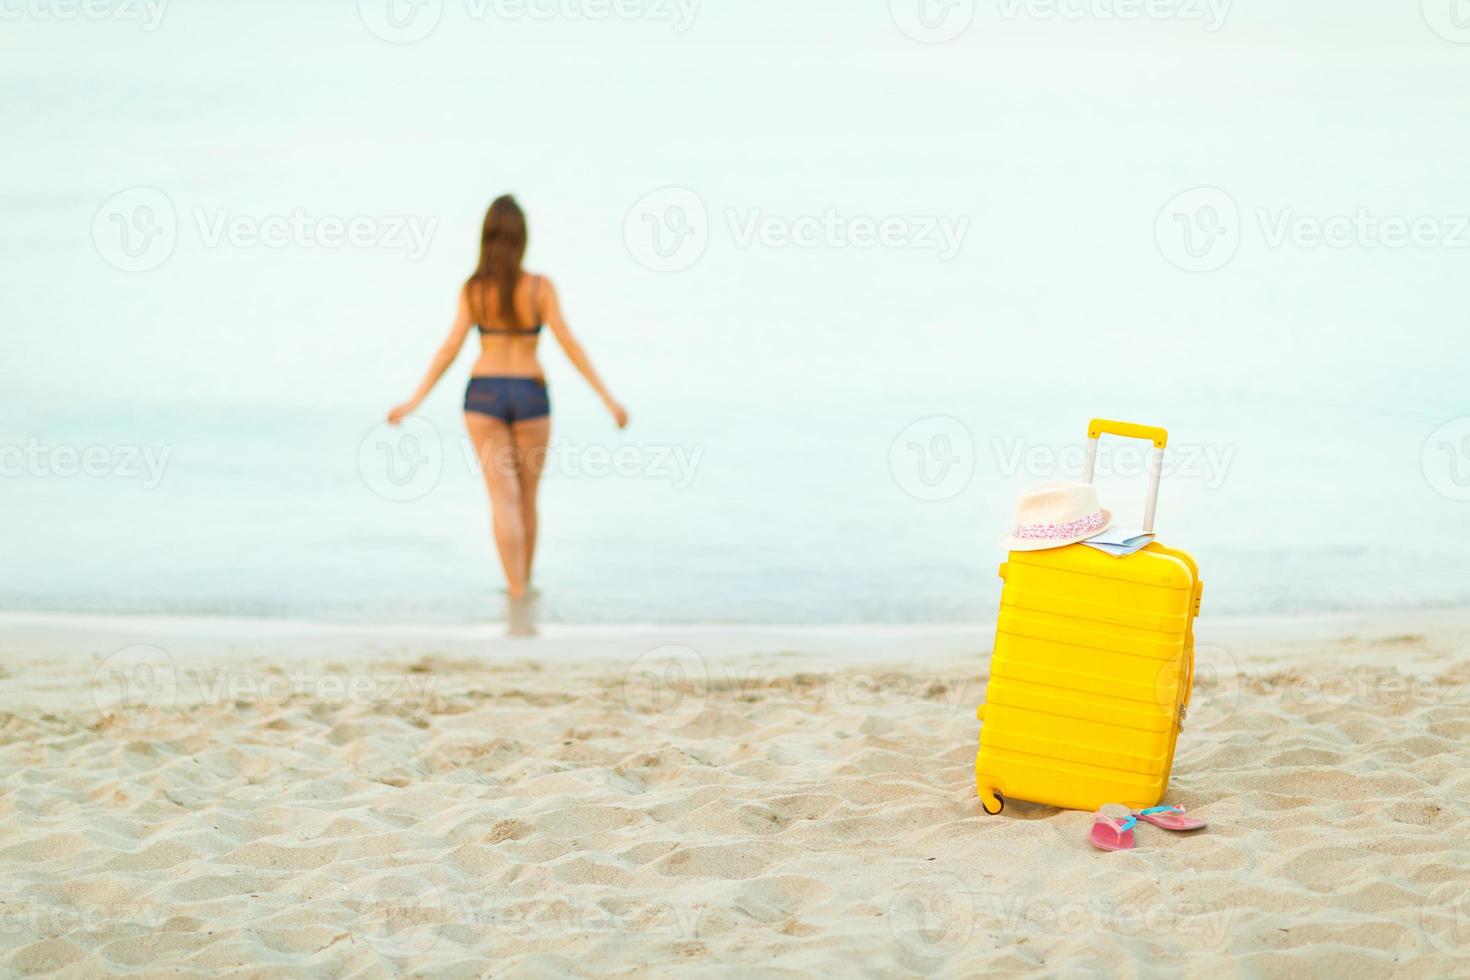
(502, 247)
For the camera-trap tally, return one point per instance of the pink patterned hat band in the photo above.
(1070, 529)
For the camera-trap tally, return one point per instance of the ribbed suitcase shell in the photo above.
(1093, 663)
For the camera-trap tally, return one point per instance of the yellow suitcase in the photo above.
(1092, 669)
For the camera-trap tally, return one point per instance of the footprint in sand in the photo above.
(720, 860)
(780, 897)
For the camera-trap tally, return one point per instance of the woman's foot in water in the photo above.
(520, 619)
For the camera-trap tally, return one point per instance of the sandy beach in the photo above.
(194, 797)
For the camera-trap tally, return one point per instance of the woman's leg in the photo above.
(496, 452)
(531, 438)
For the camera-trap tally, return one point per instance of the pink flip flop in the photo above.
(1112, 833)
(1170, 818)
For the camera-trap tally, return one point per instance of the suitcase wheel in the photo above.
(985, 803)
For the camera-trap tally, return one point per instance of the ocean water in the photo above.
(857, 290)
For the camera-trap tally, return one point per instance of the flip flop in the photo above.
(1112, 833)
(1170, 818)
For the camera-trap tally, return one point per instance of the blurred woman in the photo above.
(506, 406)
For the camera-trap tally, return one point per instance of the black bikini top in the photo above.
(517, 331)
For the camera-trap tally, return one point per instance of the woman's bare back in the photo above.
(507, 349)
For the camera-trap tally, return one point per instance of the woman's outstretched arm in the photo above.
(443, 357)
(576, 354)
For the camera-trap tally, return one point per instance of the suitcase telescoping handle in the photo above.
(1130, 430)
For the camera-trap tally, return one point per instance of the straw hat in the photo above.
(1054, 515)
